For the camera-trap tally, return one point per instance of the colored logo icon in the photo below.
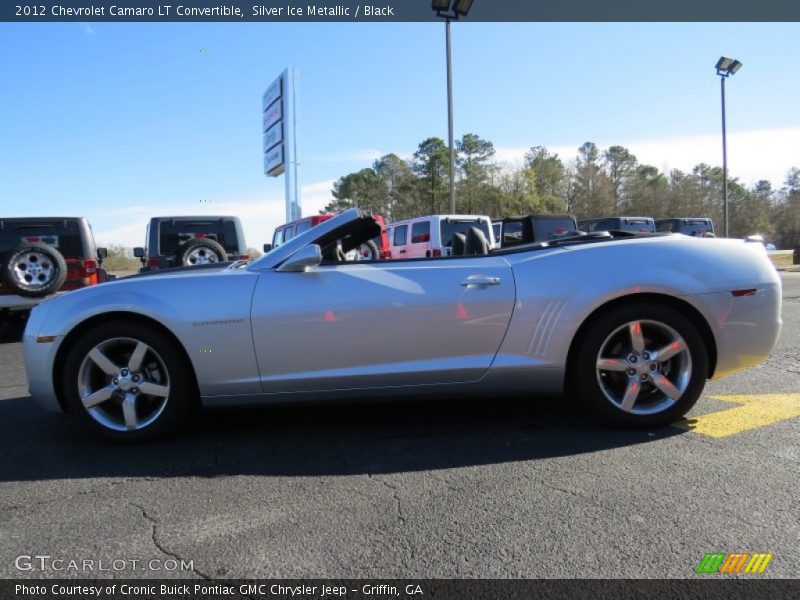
(736, 562)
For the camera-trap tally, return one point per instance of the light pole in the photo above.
(458, 8)
(725, 68)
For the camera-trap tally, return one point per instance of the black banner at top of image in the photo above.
(396, 10)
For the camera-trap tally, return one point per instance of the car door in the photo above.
(377, 324)
(400, 241)
(420, 246)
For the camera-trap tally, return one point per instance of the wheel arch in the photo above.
(663, 299)
(76, 332)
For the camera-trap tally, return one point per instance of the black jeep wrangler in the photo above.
(41, 256)
(191, 241)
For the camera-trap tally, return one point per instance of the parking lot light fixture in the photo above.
(723, 64)
(462, 7)
(725, 68)
(459, 8)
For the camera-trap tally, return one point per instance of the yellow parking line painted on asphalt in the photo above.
(754, 411)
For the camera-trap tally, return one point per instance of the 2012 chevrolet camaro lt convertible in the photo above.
(632, 326)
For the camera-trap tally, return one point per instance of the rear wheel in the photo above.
(641, 364)
(128, 382)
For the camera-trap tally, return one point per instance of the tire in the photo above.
(624, 382)
(149, 400)
(374, 253)
(34, 270)
(201, 252)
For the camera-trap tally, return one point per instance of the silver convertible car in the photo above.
(631, 326)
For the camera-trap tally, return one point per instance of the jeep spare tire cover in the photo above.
(34, 270)
(201, 252)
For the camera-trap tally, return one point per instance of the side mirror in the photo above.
(138, 252)
(307, 256)
(102, 253)
(267, 248)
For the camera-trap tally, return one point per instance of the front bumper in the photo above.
(40, 359)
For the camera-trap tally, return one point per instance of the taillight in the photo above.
(153, 263)
(244, 257)
(89, 267)
(200, 236)
(386, 255)
(740, 293)
(437, 252)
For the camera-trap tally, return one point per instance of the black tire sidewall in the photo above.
(587, 388)
(373, 249)
(59, 268)
(206, 243)
(182, 400)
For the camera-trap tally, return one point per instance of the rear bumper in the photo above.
(14, 302)
(746, 328)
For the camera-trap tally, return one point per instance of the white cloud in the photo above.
(752, 155)
(260, 216)
(87, 28)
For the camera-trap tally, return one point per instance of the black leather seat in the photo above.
(476, 243)
(458, 243)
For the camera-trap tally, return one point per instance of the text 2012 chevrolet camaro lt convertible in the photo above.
(631, 326)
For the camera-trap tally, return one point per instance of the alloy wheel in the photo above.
(644, 367)
(123, 384)
(201, 256)
(33, 270)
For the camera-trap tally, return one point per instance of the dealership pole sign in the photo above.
(279, 126)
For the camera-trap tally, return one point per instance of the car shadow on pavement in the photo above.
(11, 329)
(312, 440)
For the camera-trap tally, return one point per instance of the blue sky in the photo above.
(118, 122)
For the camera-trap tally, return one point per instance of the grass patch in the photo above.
(781, 259)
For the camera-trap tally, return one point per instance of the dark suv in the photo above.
(695, 226)
(40, 256)
(191, 241)
(535, 228)
(630, 224)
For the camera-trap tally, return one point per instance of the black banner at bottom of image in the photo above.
(405, 589)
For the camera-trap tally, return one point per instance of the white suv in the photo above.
(432, 235)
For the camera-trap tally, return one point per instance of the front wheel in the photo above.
(128, 381)
(642, 364)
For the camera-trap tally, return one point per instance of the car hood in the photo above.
(172, 296)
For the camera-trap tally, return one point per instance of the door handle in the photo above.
(480, 280)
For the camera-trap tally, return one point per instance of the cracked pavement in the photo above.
(500, 488)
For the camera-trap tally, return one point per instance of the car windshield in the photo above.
(174, 232)
(695, 226)
(449, 227)
(64, 236)
(550, 229)
(637, 225)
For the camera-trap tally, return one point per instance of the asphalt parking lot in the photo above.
(500, 488)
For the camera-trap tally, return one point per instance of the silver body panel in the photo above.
(390, 328)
